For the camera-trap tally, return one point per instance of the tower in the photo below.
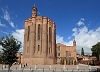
(34, 11)
(74, 50)
(74, 42)
(39, 40)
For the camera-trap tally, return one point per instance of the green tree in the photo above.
(96, 50)
(10, 47)
(62, 61)
(82, 52)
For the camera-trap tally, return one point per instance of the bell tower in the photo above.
(34, 11)
(74, 42)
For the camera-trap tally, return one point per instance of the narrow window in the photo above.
(50, 34)
(49, 50)
(28, 33)
(38, 47)
(69, 53)
(66, 53)
(58, 47)
(58, 54)
(38, 31)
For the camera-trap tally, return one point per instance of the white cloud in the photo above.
(0, 48)
(19, 35)
(2, 25)
(7, 17)
(59, 39)
(81, 22)
(69, 37)
(84, 38)
(11, 23)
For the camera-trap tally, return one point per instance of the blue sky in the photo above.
(74, 19)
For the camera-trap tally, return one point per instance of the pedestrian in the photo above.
(26, 64)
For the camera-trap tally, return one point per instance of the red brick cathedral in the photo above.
(39, 40)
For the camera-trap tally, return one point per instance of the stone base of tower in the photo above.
(40, 61)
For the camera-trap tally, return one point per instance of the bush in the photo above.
(75, 62)
(62, 61)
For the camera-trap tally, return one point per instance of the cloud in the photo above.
(84, 38)
(69, 37)
(0, 47)
(59, 39)
(7, 17)
(2, 25)
(19, 35)
(81, 22)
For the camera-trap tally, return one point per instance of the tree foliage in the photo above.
(82, 52)
(62, 61)
(96, 50)
(10, 47)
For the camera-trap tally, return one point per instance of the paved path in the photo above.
(45, 71)
(51, 68)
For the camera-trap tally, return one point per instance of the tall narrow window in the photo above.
(28, 33)
(50, 34)
(38, 31)
(38, 47)
(69, 53)
(58, 47)
(49, 50)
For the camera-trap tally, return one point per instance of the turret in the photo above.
(34, 11)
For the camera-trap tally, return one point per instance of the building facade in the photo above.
(66, 53)
(39, 40)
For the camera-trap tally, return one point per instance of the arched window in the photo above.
(38, 47)
(38, 31)
(49, 50)
(28, 33)
(50, 34)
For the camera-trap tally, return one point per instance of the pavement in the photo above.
(50, 68)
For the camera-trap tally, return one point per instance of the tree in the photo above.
(82, 52)
(62, 61)
(96, 50)
(10, 47)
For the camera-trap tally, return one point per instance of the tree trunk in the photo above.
(9, 68)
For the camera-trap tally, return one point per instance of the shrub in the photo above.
(62, 61)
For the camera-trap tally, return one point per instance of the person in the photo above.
(26, 64)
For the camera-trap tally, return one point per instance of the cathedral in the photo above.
(39, 40)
